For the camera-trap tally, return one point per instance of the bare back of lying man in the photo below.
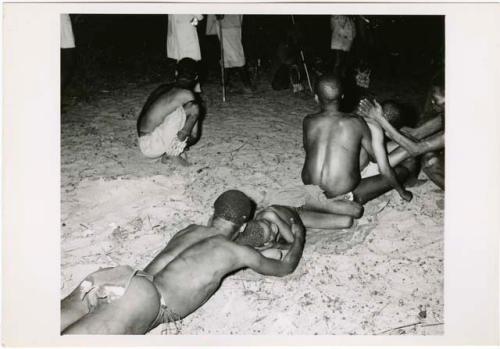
(337, 145)
(169, 120)
(180, 279)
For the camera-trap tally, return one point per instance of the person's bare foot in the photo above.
(176, 160)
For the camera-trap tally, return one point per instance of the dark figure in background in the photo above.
(287, 73)
(169, 120)
(182, 277)
(343, 34)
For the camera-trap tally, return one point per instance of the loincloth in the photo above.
(109, 284)
(370, 170)
(163, 139)
(300, 196)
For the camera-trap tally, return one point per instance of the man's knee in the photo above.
(357, 210)
(344, 222)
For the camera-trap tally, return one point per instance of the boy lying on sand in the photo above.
(338, 146)
(168, 122)
(182, 277)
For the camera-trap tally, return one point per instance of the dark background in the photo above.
(113, 50)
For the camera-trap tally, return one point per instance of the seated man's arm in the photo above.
(376, 148)
(195, 135)
(375, 112)
(267, 266)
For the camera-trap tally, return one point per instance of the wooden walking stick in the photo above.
(219, 20)
(303, 61)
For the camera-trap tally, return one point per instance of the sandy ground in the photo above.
(385, 277)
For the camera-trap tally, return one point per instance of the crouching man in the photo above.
(169, 121)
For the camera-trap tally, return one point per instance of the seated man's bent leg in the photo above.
(336, 206)
(434, 167)
(133, 313)
(319, 220)
(372, 187)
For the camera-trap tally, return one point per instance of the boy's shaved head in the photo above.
(329, 88)
(233, 206)
(253, 235)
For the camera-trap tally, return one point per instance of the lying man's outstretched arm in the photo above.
(267, 266)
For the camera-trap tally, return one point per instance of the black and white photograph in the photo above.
(252, 174)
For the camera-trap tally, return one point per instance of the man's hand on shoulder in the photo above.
(370, 110)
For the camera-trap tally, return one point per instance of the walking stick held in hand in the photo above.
(304, 61)
(219, 23)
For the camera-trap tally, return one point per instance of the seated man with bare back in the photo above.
(168, 122)
(183, 276)
(337, 146)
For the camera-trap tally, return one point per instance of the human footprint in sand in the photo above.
(183, 276)
(169, 121)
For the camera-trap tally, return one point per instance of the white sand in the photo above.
(120, 208)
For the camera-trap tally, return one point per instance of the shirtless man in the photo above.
(168, 122)
(180, 279)
(427, 139)
(338, 146)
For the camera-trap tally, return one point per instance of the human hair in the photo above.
(393, 113)
(186, 73)
(233, 206)
(253, 235)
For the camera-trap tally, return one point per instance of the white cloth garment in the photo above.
(164, 139)
(182, 38)
(67, 38)
(234, 56)
(343, 32)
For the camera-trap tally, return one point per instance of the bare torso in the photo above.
(334, 151)
(190, 279)
(161, 103)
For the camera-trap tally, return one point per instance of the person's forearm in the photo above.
(427, 128)
(293, 256)
(397, 137)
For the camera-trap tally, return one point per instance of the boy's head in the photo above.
(328, 89)
(233, 206)
(437, 91)
(187, 75)
(393, 114)
(257, 233)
